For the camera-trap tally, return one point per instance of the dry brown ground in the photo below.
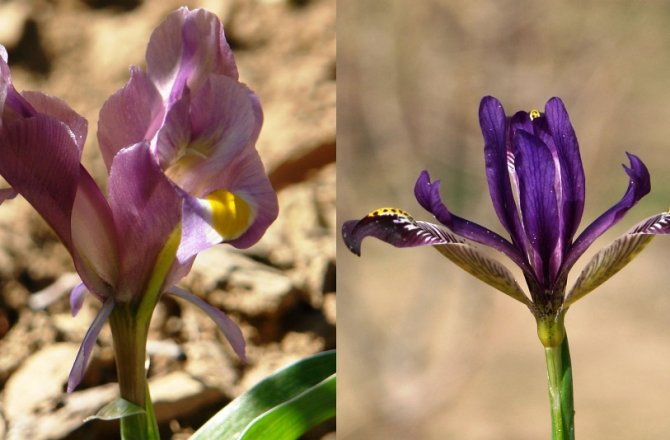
(427, 352)
(282, 291)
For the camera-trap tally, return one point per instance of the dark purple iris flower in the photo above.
(536, 181)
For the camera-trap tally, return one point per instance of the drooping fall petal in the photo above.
(216, 137)
(395, 227)
(617, 255)
(399, 229)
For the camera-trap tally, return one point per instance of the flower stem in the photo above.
(130, 336)
(559, 371)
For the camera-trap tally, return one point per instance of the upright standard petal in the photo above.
(535, 168)
(186, 48)
(493, 123)
(571, 169)
(146, 211)
(639, 185)
(132, 114)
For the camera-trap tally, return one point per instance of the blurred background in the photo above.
(281, 291)
(425, 350)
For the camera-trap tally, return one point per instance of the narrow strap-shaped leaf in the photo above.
(488, 270)
(614, 257)
(294, 417)
(271, 392)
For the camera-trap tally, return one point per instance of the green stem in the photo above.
(130, 336)
(559, 372)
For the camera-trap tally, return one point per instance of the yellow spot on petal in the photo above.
(231, 215)
(389, 211)
(534, 113)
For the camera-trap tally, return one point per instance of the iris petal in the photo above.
(571, 169)
(77, 298)
(639, 185)
(394, 226)
(399, 229)
(614, 257)
(230, 213)
(39, 158)
(494, 129)
(230, 330)
(132, 114)
(535, 167)
(59, 110)
(428, 196)
(84, 353)
(185, 49)
(146, 211)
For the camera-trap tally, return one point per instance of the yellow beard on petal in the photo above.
(231, 215)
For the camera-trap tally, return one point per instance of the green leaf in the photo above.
(293, 399)
(116, 409)
(294, 417)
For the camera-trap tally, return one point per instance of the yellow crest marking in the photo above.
(231, 215)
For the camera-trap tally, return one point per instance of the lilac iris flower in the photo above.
(184, 174)
(200, 124)
(536, 182)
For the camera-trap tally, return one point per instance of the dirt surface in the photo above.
(281, 291)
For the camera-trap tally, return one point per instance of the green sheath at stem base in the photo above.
(130, 335)
(559, 372)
